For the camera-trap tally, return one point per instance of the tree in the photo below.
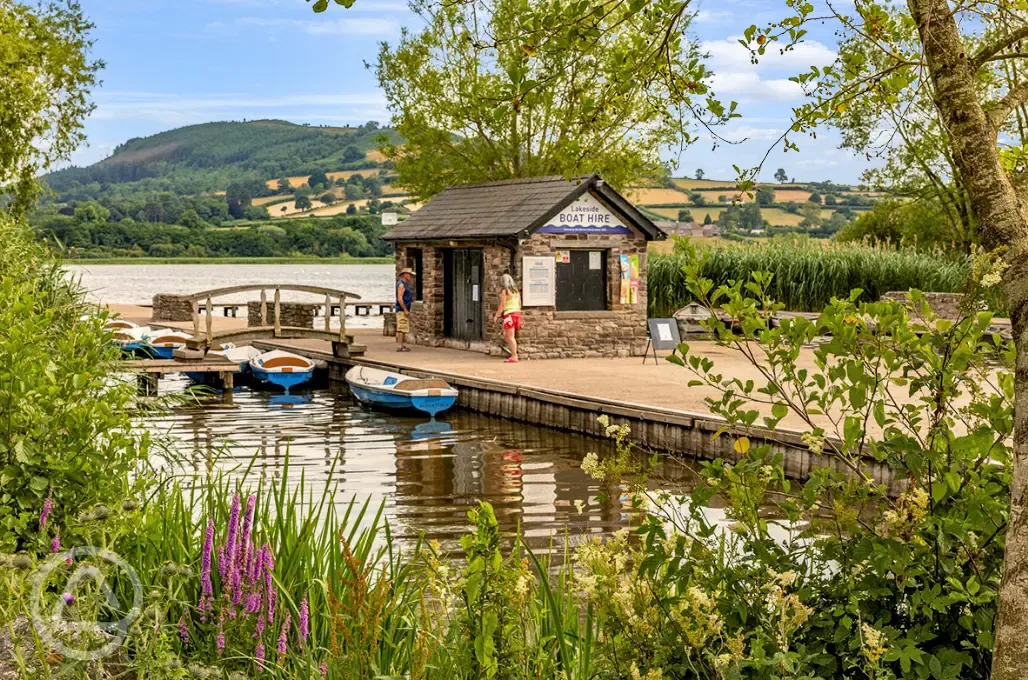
(722, 198)
(707, 220)
(685, 215)
(814, 198)
(351, 209)
(508, 89)
(353, 192)
(955, 53)
(303, 203)
(697, 199)
(284, 186)
(328, 198)
(830, 199)
(318, 179)
(699, 173)
(190, 218)
(352, 154)
(781, 176)
(811, 216)
(765, 196)
(41, 114)
(238, 197)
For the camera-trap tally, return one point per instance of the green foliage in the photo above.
(814, 197)
(685, 215)
(914, 224)
(65, 428)
(507, 89)
(781, 176)
(811, 216)
(303, 202)
(44, 92)
(765, 196)
(808, 274)
(699, 173)
(207, 158)
(318, 179)
(698, 199)
(862, 577)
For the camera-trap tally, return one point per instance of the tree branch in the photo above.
(990, 50)
(999, 110)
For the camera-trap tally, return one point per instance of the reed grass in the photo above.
(807, 274)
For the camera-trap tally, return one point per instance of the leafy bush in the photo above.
(66, 438)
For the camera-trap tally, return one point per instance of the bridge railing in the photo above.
(276, 326)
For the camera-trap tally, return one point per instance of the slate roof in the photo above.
(510, 208)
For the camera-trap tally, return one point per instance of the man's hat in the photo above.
(406, 270)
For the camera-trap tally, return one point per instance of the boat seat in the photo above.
(285, 361)
(427, 384)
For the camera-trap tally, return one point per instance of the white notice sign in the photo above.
(595, 261)
(389, 219)
(474, 293)
(539, 281)
(664, 331)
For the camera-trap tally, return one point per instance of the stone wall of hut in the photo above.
(618, 331)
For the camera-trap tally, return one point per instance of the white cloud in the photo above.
(736, 77)
(328, 26)
(748, 87)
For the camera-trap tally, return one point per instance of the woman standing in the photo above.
(510, 310)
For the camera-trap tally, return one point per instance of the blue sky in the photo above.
(178, 62)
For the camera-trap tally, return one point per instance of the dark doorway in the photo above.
(582, 282)
(462, 278)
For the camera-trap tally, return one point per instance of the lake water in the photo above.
(426, 474)
(138, 283)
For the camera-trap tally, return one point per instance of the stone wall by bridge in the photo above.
(295, 314)
(945, 305)
(171, 307)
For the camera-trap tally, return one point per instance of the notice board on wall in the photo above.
(539, 281)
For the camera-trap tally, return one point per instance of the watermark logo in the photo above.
(58, 617)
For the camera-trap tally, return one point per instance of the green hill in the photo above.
(207, 158)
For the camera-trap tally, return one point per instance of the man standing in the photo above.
(404, 299)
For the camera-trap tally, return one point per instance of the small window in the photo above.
(415, 262)
(582, 281)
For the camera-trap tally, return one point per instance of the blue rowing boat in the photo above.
(400, 392)
(285, 369)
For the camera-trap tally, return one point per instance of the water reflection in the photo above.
(427, 473)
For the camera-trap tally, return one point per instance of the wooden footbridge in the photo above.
(271, 325)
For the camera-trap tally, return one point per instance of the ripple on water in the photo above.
(427, 476)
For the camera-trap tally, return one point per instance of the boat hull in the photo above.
(286, 381)
(430, 404)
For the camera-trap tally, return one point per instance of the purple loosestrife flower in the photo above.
(253, 603)
(221, 641)
(259, 656)
(55, 544)
(68, 598)
(304, 621)
(283, 636)
(251, 567)
(48, 506)
(207, 590)
(324, 669)
(260, 626)
(272, 600)
(233, 533)
(183, 630)
(244, 543)
(222, 564)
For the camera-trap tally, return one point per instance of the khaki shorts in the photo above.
(402, 322)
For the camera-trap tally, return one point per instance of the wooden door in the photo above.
(464, 314)
(582, 282)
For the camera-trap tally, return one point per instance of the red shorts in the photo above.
(512, 320)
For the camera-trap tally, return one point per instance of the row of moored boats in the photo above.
(374, 387)
(276, 367)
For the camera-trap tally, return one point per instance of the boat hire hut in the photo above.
(576, 248)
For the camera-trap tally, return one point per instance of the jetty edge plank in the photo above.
(685, 433)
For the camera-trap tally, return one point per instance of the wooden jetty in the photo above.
(151, 370)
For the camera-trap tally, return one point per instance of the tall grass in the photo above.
(807, 274)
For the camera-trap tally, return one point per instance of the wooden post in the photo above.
(328, 312)
(227, 384)
(210, 323)
(264, 308)
(278, 321)
(196, 323)
(342, 318)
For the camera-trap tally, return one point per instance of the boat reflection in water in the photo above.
(427, 474)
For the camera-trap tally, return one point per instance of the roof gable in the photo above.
(509, 208)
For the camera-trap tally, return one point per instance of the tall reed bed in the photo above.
(807, 274)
